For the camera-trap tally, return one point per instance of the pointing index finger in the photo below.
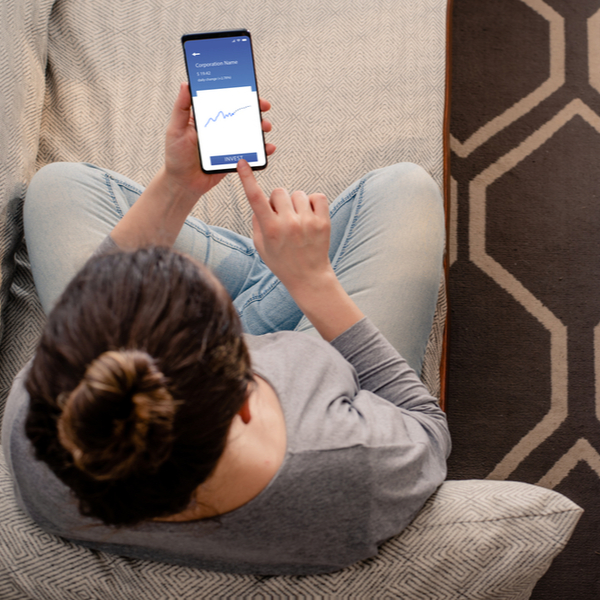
(258, 201)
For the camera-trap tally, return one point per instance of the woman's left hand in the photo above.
(160, 212)
(182, 163)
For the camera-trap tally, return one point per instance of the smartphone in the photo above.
(220, 68)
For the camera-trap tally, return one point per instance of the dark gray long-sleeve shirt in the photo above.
(366, 446)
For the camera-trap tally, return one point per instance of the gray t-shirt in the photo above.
(366, 446)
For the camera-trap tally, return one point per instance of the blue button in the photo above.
(233, 159)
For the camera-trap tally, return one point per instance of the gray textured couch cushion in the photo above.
(480, 540)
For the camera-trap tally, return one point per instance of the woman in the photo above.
(163, 431)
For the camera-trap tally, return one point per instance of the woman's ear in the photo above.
(244, 412)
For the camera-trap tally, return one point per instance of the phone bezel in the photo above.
(212, 35)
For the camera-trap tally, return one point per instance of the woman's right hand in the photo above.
(291, 234)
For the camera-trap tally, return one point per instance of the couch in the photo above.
(355, 85)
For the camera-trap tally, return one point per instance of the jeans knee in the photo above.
(37, 191)
(57, 172)
(409, 185)
(53, 199)
(47, 181)
(56, 189)
(415, 177)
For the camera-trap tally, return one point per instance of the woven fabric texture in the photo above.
(355, 86)
(23, 54)
(478, 540)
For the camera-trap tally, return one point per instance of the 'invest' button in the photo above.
(233, 158)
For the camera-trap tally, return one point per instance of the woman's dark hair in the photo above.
(140, 370)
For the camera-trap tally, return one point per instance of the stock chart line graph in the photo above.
(224, 115)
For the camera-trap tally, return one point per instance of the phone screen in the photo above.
(220, 68)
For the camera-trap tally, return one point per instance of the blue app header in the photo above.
(220, 63)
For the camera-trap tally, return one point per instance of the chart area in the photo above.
(229, 128)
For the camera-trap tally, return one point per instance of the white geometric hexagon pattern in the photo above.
(524, 360)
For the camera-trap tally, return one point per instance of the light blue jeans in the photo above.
(387, 241)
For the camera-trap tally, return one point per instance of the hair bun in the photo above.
(119, 419)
